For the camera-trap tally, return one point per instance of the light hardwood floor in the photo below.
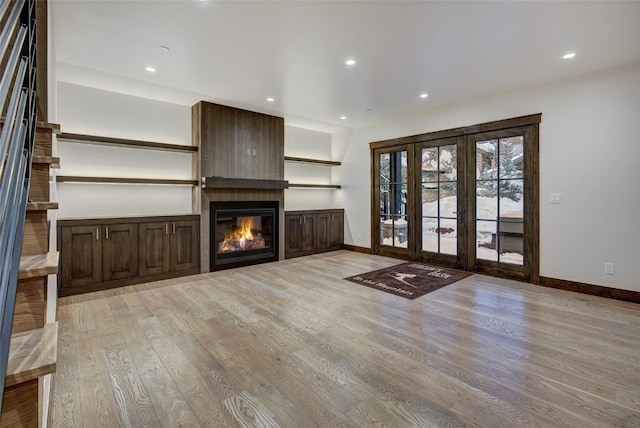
(291, 344)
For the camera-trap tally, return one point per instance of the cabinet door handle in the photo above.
(174, 228)
(166, 228)
(106, 233)
(97, 233)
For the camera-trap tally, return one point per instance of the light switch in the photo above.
(248, 152)
(254, 152)
(555, 198)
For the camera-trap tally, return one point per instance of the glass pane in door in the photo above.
(439, 199)
(393, 199)
(500, 200)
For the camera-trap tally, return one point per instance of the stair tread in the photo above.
(42, 206)
(54, 161)
(39, 265)
(32, 354)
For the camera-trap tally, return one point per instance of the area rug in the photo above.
(410, 280)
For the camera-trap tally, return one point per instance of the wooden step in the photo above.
(39, 265)
(41, 206)
(53, 162)
(32, 354)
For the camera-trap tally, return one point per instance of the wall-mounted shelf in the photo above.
(313, 161)
(315, 186)
(121, 142)
(121, 180)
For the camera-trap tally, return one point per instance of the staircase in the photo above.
(28, 334)
(33, 347)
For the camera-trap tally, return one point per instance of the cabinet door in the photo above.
(81, 255)
(120, 251)
(292, 235)
(308, 232)
(323, 231)
(336, 230)
(185, 245)
(155, 248)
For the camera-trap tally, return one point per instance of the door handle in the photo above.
(106, 233)
(166, 228)
(458, 213)
(173, 228)
(97, 233)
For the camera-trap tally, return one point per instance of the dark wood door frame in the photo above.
(529, 126)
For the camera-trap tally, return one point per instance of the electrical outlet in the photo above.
(609, 268)
(254, 152)
(555, 198)
(248, 152)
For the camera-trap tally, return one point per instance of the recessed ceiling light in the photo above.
(569, 55)
(350, 62)
(150, 69)
(368, 110)
(270, 99)
(343, 117)
(424, 95)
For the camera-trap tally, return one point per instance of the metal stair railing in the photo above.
(18, 110)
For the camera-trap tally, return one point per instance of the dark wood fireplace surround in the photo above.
(241, 159)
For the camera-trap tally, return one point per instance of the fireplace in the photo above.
(243, 233)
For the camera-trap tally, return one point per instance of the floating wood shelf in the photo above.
(38, 265)
(242, 183)
(315, 186)
(314, 161)
(121, 180)
(32, 354)
(136, 144)
(42, 206)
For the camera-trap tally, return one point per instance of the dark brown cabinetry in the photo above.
(104, 253)
(154, 240)
(168, 246)
(120, 251)
(83, 258)
(310, 232)
(185, 245)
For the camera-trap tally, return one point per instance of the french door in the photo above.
(464, 198)
(440, 189)
(502, 196)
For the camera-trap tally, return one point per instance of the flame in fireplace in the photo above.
(242, 238)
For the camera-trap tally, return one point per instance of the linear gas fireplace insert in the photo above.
(243, 233)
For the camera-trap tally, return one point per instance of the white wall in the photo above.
(84, 110)
(91, 111)
(588, 152)
(305, 143)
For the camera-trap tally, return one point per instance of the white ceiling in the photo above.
(239, 53)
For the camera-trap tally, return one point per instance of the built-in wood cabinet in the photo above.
(104, 253)
(168, 246)
(311, 232)
(120, 251)
(185, 245)
(155, 248)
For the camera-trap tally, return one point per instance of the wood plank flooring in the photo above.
(291, 344)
